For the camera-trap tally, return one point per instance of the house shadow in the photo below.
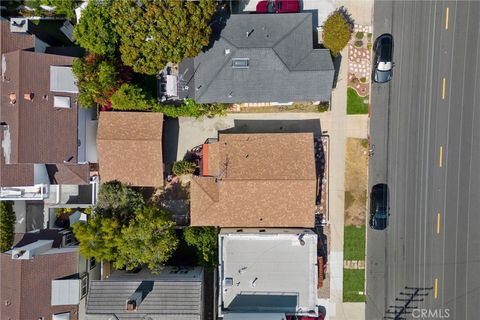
(171, 130)
(275, 126)
(337, 61)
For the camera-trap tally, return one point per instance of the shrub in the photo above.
(359, 35)
(363, 79)
(189, 108)
(183, 167)
(336, 32)
(205, 240)
(358, 43)
(131, 97)
(369, 36)
(118, 201)
(7, 225)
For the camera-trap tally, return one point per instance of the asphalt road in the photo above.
(425, 125)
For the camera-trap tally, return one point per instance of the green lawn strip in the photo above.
(353, 283)
(354, 243)
(355, 103)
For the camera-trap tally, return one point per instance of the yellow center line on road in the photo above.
(446, 18)
(444, 84)
(440, 158)
(438, 222)
(435, 289)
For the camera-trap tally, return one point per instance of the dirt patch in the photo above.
(356, 165)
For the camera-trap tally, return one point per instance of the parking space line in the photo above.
(438, 222)
(444, 84)
(446, 18)
(435, 290)
(440, 157)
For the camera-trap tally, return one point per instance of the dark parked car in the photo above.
(278, 6)
(383, 67)
(379, 207)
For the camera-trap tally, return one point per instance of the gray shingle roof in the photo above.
(168, 300)
(283, 66)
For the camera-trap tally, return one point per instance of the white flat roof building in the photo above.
(267, 271)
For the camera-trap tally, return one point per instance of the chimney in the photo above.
(134, 301)
(13, 98)
(31, 250)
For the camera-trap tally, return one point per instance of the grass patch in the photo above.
(354, 243)
(355, 103)
(353, 283)
(349, 199)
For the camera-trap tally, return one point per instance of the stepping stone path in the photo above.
(359, 61)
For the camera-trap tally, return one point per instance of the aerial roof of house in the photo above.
(268, 270)
(260, 58)
(174, 294)
(39, 110)
(130, 148)
(26, 284)
(11, 41)
(256, 180)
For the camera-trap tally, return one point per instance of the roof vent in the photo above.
(131, 305)
(227, 51)
(134, 301)
(28, 96)
(249, 33)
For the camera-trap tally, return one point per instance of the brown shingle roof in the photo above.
(11, 41)
(263, 180)
(130, 148)
(26, 285)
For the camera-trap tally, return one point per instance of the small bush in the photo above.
(359, 35)
(131, 97)
(323, 107)
(369, 36)
(7, 225)
(369, 46)
(363, 79)
(336, 32)
(358, 43)
(183, 167)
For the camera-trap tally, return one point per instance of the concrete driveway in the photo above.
(192, 132)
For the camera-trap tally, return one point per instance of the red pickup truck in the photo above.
(278, 6)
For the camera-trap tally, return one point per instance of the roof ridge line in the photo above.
(283, 38)
(219, 70)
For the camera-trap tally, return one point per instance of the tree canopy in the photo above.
(205, 240)
(147, 239)
(7, 225)
(97, 79)
(337, 31)
(62, 7)
(94, 31)
(132, 97)
(116, 200)
(154, 32)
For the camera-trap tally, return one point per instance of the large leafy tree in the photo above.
(63, 7)
(337, 31)
(94, 31)
(205, 240)
(131, 97)
(7, 225)
(154, 32)
(148, 240)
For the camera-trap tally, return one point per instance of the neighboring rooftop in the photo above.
(268, 270)
(256, 180)
(25, 286)
(130, 148)
(260, 58)
(174, 294)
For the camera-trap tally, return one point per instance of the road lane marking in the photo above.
(440, 158)
(443, 88)
(438, 222)
(435, 292)
(446, 18)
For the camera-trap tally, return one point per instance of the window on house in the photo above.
(240, 63)
(61, 102)
(84, 285)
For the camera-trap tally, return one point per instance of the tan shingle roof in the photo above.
(263, 180)
(130, 148)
